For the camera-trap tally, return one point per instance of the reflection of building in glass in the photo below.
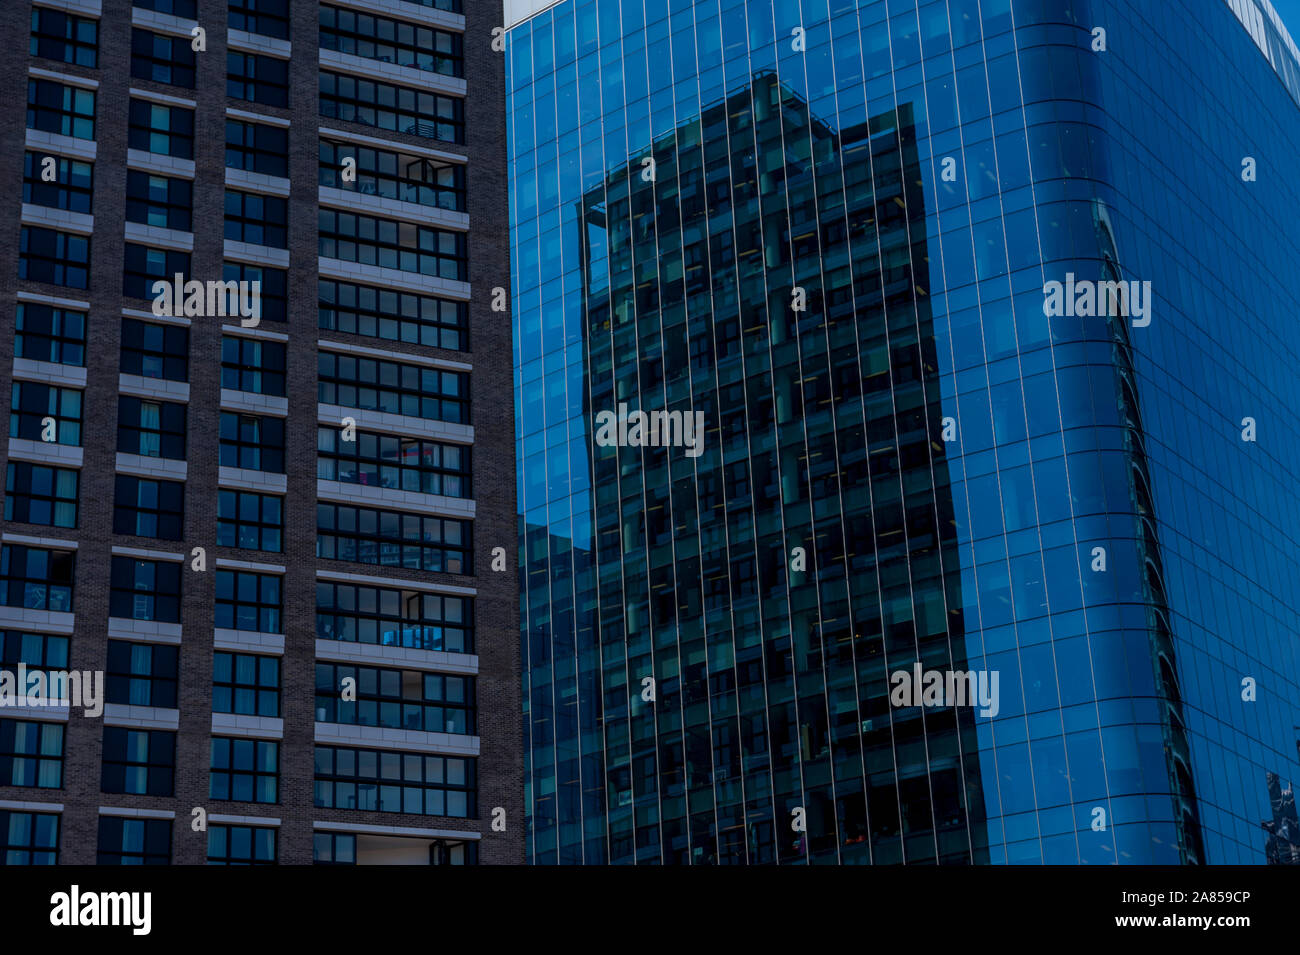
(784, 467)
(1283, 846)
(1095, 531)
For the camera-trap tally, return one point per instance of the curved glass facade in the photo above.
(834, 229)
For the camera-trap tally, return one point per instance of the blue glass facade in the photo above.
(919, 465)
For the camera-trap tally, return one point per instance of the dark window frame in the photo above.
(248, 16)
(222, 848)
(31, 402)
(19, 501)
(338, 770)
(392, 175)
(39, 753)
(234, 601)
(175, 208)
(170, 442)
(376, 37)
(135, 517)
(392, 315)
(162, 594)
(423, 113)
(342, 534)
(143, 133)
(233, 529)
(162, 58)
(253, 365)
(115, 833)
(258, 147)
(233, 693)
(36, 848)
(74, 115)
(54, 257)
(257, 219)
(251, 77)
(61, 36)
(52, 588)
(72, 189)
(142, 674)
(392, 698)
(140, 268)
(228, 769)
(377, 384)
(386, 616)
(384, 460)
(263, 451)
(37, 322)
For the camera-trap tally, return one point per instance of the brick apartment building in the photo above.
(340, 681)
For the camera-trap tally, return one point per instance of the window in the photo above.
(153, 429)
(252, 441)
(249, 520)
(35, 578)
(272, 289)
(250, 364)
(391, 175)
(64, 37)
(124, 841)
(46, 333)
(163, 59)
(59, 258)
(31, 754)
(241, 845)
(62, 110)
(244, 770)
(258, 219)
(334, 848)
(138, 762)
(40, 494)
(158, 200)
(142, 674)
(396, 699)
(248, 601)
(381, 781)
(392, 41)
(376, 385)
(155, 351)
(145, 590)
(390, 461)
(394, 618)
(70, 188)
(256, 147)
(30, 838)
(405, 246)
(246, 684)
(392, 539)
(35, 405)
(165, 130)
(37, 651)
(145, 265)
(147, 508)
(258, 79)
(267, 17)
(393, 315)
(385, 106)
(177, 8)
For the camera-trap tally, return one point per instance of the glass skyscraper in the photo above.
(863, 240)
